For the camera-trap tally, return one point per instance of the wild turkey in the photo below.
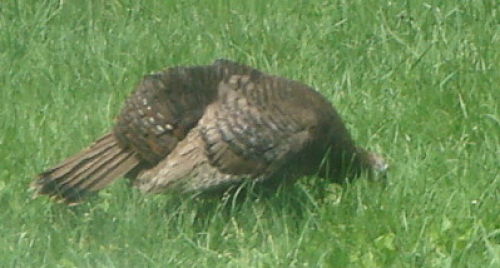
(203, 129)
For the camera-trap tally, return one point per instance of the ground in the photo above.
(417, 81)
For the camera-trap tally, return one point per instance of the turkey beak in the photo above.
(379, 167)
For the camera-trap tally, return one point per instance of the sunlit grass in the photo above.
(414, 80)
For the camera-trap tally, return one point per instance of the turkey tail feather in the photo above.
(88, 171)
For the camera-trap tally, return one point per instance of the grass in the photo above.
(415, 80)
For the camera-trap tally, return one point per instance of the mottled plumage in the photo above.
(204, 128)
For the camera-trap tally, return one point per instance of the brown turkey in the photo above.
(205, 129)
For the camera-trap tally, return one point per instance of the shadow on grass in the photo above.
(121, 208)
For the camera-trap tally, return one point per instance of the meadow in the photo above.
(417, 81)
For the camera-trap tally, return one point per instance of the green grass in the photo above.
(416, 80)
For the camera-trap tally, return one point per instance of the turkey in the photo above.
(205, 129)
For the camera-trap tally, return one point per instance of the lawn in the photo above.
(417, 81)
